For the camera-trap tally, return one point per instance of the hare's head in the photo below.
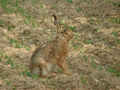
(68, 34)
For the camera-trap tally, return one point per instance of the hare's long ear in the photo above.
(56, 22)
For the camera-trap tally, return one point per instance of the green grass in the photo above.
(72, 28)
(8, 82)
(117, 4)
(7, 5)
(114, 71)
(10, 6)
(85, 58)
(88, 41)
(115, 34)
(2, 23)
(10, 62)
(115, 20)
(78, 9)
(0, 59)
(83, 80)
(69, 1)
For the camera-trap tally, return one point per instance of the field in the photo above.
(94, 52)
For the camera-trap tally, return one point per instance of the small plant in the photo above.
(96, 30)
(7, 6)
(99, 67)
(70, 1)
(0, 59)
(93, 64)
(83, 80)
(118, 41)
(14, 88)
(85, 58)
(115, 34)
(15, 43)
(72, 28)
(88, 41)
(114, 71)
(2, 23)
(10, 62)
(78, 9)
(115, 20)
(117, 4)
(75, 46)
(8, 82)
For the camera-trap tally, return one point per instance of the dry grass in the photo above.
(94, 57)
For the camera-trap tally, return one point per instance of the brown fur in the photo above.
(55, 52)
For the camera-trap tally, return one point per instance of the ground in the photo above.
(94, 52)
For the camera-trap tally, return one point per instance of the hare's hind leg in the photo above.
(63, 65)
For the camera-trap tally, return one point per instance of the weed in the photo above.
(27, 48)
(15, 43)
(83, 80)
(115, 20)
(0, 59)
(115, 34)
(75, 46)
(114, 71)
(35, 1)
(69, 1)
(117, 41)
(117, 4)
(14, 88)
(27, 21)
(10, 27)
(93, 64)
(88, 41)
(10, 62)
(41, 5)
(78, 9)
(72, 28)
(99, 67)
(35, 76)
(85, 58)
(4, 4)
(8, 82)
(2, 23)
(96, 30)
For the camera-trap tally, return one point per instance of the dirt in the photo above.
(94, 52)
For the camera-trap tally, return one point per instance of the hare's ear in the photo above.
(56, 22)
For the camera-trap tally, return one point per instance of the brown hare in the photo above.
(53, 53)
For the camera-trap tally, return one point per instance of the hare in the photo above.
(53, 53)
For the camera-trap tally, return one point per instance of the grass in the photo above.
(69, 1)
(10, 62)
(115, 34)
(13, 7)
(78, 9)
(2, 23)
(83, 80)
(8, 82)
(85, 58)
(79, 40)
(113, 71)
(17, 44)
(72, 28)
(115, 20)
(88, 41)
